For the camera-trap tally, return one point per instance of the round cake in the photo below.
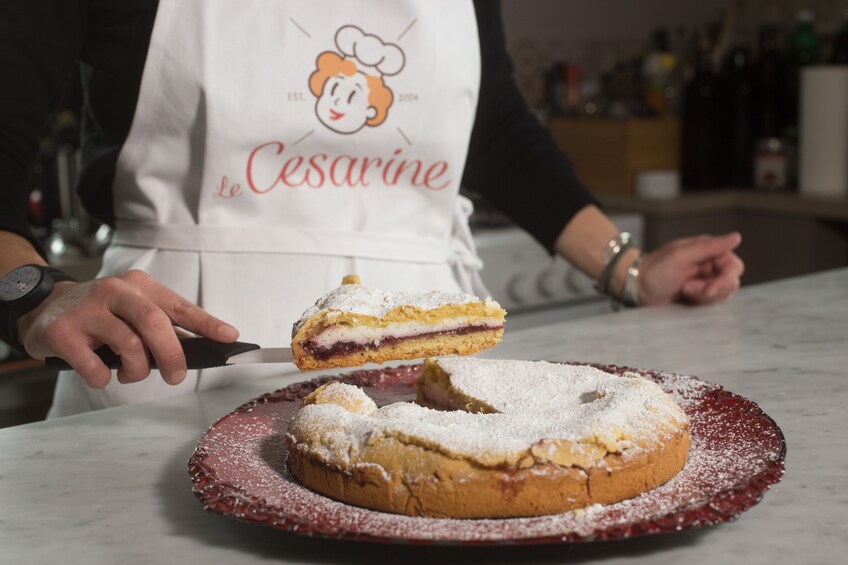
(491, 438)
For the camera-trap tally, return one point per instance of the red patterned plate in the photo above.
(239, 470)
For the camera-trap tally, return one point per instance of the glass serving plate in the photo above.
(239, 470)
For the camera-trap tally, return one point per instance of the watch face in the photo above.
(19, 283)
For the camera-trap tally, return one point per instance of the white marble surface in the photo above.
(112, 486)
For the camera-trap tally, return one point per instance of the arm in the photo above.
(697, 270)
(131, 313)
(512, 160)
(514, 163)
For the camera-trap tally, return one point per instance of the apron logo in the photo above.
(351, 94)
(227, 190)
(349, 85)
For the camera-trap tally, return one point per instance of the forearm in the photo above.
(512, 160)
(582, 243)
(17, 251)
(130, 313)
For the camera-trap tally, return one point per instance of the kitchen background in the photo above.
(683, 116)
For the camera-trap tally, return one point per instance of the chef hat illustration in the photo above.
(373, 57)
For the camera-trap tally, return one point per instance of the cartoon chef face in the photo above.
(351, 92)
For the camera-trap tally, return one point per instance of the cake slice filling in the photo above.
(335, 341)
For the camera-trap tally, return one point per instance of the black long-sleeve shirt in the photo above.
(512, 160)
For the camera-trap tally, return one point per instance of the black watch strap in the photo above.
(58, 276)
(10, 312)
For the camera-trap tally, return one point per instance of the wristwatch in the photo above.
(22, 290)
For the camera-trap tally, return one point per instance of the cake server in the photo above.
(201, 353)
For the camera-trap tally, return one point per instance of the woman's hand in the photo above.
(698, 270)
(131, 313)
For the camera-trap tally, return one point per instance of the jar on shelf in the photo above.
(770, 164)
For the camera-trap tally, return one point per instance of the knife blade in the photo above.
(200, 353)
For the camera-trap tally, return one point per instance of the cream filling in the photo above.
(365, 335)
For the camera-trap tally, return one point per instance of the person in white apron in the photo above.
(275, 200)
(304, 144)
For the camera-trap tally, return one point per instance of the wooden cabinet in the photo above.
(783, 235)
(607, 154)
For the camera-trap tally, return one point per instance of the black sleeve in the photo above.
(39, 44)
(512, 160)
(112, 63)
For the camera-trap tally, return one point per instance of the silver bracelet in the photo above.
(611, 254)
(630, 294)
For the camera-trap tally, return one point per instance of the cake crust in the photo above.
(405, 469)
(355, 325)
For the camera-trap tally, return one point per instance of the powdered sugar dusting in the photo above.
(359, 299)
(239, 469)
(535, 402)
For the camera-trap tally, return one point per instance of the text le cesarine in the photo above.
(227, 190)
(270, 166)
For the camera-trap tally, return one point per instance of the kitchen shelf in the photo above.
(783, 234)
(733, 200)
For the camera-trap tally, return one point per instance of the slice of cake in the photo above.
(354, 325)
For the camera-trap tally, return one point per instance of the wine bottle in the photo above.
(804, 49)
(769, 84)
(701, 128)
(840, 46)
(739, 81)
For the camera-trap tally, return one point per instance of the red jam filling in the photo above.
(348, 347)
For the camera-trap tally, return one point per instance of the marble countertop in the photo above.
(112, 486)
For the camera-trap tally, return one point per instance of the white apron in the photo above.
(279, 145)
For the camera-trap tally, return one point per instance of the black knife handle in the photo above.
(200, 353)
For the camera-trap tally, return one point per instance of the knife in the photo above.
(200, 353)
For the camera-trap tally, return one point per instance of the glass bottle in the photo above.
(770, 164)
(769, 83)
(804, 48)
(701, 128)
(658, 67)
(739, 81)
(770, 154)
(840, 46)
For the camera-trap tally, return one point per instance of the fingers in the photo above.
(693, 288)
(195, 319)
(724, 291)
(151, 327)
(182, 312)
(706, 292)
(78, 354)
(153, 313)
(702, 248)
(132, 314)
(729, 269)
(730, 263)
(128, 345)
(716, 281)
